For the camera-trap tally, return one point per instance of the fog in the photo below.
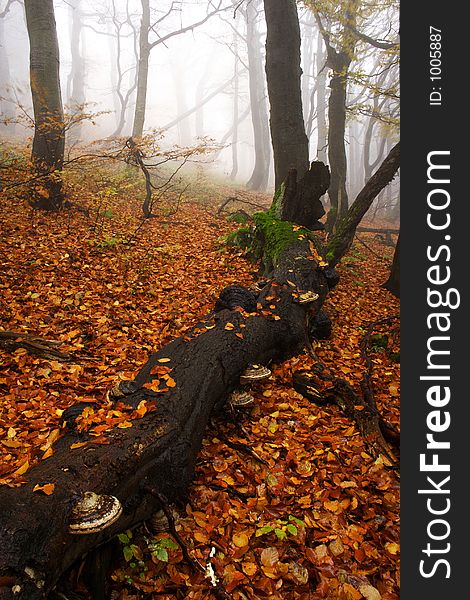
(183, 70)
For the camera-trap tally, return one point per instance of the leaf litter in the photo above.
(318, 518)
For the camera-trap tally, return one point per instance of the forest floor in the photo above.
(318, 516)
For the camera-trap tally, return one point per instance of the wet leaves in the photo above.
(320, 520)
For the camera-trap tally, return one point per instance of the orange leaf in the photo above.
(240, 540)
(78, 445)
(47, 489)
(47, 453)
(24, 467)
(229, 326)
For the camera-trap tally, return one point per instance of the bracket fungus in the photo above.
(122, 388)
(240, 398)
(254, 373)
(93, 513)
(308, 297)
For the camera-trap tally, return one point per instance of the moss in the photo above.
(274, 235)
(275, 210)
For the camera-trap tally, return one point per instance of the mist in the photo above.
(206, 66)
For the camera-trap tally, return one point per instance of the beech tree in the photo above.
(290, 143)
(145, 48)
(7, 110)
(76, 78)
(340, 242)
(49, 136)
(258, 99)
(341, 40)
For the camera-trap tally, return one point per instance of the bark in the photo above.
(338, 60)
(76, 78)
(301, 202)
(336, 147)
(236, 88)
(322, 130)
(259, 110)
(341, 241)
(48, 141)
(7, 108)
(290, 143)
(308, 69)
(142, 72)
(159, 451)
(393, 282)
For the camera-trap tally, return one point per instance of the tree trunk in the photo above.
(290, 143)
(48, 141)
(236, 88)
(339, 61)
(7, 106)
(336, 147)
(300, 201)
(76, 78)
(322, 130)
(259, 110)
(393, 282)
(341, 241)
(160, 449)
(142, 72)
(308, 65)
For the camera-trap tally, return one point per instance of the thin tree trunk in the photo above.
(48, 141)
(322, 130)
(142, 72)
(259, 110)
(336, 148)
(236, 86)
(76, 78)
(124, 99)
(7, 109)
(341, 241)
(290, 143)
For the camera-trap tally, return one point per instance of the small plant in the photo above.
(129, 550)
(159, 548)
(110, 241)
(108, 213)
(378, 342)
(281, 528)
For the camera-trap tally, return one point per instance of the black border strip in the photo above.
(432, 125)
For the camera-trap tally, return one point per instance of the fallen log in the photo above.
(183, 384)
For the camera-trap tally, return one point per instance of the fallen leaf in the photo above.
(47, 489)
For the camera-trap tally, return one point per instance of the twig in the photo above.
(11, 340)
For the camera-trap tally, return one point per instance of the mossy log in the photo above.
(159, 451)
